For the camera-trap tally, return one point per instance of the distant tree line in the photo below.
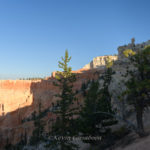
(32, 78)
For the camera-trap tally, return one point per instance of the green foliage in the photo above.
(67, 71)
(64, 125)
(109, 62)
(94, 117)
(147, 46)
(138, 86)
(89, 119)
(128, 52)
(37, 135)
(84, 87)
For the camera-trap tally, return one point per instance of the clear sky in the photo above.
(35, 33)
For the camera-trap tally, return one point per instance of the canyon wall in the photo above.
(100, 62)
(20, 98)
(14, 95)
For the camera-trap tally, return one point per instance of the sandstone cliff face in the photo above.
(100, 62)
(20, 98)
(14, 95)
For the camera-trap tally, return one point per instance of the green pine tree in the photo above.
(94, 117)
(64, 125)
(37, 135)
(138, 86)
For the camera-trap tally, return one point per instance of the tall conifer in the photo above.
(63, 128)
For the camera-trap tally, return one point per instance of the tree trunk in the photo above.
(139, 118)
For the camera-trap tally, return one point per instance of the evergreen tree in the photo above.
(138, 86)
(37, 135)
(64, 125)
(94, 117)
(83, 88)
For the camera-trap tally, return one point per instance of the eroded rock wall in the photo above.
(20, 98)
(14, 95)
(100, 62)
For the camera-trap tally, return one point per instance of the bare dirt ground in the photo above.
(138, 144)
(134, 142)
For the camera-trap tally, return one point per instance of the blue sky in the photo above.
(35, 33)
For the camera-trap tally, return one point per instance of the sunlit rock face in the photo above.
(14, 95)
(20, 98)
(99, 62)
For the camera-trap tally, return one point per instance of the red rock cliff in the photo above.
(20, 98)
